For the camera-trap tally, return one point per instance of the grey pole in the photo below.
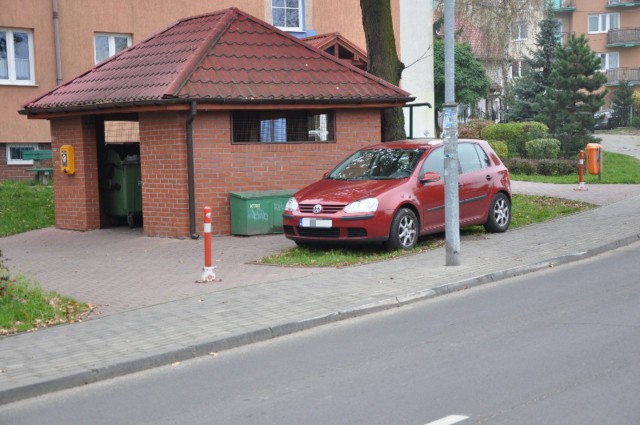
(450, 127)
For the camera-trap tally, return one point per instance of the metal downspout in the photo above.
(56, 43)
(190, 173)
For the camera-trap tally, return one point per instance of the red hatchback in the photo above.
(394, 192)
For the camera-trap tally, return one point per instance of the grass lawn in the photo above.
(24, 306)
(24, 206)
(618, 169)
(525, 210)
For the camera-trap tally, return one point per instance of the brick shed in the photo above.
(213, 104)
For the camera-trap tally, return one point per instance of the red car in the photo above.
(394, 193)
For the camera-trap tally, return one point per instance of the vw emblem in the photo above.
(317, 209)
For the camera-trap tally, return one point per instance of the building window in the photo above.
(603, 22)
(609, 60)
(14, 153)
(517, 69)
(287, 14)
(107, 45)
(283, 126)
(519, 31)
(16, 57)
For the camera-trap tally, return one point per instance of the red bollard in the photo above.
(207, 271)
(581, 185)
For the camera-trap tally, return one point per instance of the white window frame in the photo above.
(523, 31)
(11, 58)
(603, 22)
(606, 60)
(11, 161)
(516, 65)
(300, 16)
(111, 37)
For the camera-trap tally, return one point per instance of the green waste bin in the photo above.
(122, 196)
(258, 212)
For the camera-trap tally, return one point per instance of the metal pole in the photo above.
(450, 127)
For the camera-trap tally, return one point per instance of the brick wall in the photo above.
(77, 201)
(163, 158)
(221, 167)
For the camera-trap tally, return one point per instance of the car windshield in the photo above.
(378, 164)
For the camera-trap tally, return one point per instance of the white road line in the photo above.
(449, 420)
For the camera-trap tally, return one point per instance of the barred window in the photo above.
(283, 126)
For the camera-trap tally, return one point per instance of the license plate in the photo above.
(316, 222)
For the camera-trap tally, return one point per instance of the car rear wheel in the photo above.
(499, 214)
(404, 230)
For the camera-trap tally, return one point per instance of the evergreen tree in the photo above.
(527, 92)
(471, 81)
(574, 94)
(621, 105)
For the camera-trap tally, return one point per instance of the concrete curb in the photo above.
(214, 346)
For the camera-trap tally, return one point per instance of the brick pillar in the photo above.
(163, 156)
(77, 197)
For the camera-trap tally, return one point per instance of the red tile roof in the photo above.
(482, 46)
(222, 57)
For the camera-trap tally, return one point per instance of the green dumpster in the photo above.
(258, 212)
(122, 195)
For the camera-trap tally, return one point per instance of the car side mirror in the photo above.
(325, 175)
(430, 177)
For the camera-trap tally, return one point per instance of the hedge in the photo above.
(515, 134)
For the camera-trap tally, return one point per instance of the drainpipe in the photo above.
(190, 173)
(56, 42)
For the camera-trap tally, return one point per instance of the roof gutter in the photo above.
(190, 172)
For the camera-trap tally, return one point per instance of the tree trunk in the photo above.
(383, 59)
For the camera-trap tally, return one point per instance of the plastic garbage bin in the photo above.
(594, 162)
(122, 196)
(258, 212)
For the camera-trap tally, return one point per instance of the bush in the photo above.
(545, 167)
(501, 148)
(543, 148)
(515, 134)
(635, 122)
(472, 129)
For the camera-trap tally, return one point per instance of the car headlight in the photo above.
(292, 205)
(362, 206)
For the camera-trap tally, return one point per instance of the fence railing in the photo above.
(617, 75)
(623, 35)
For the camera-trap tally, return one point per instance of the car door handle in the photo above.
(459, 184)
(488, 177)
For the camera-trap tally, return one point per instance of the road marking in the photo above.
(449, 420)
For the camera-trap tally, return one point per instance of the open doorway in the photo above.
(120, 174)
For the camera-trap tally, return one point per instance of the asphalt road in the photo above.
(555, 347)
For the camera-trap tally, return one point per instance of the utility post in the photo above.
(450, 127)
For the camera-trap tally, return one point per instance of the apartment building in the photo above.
(46, 42)
(613, 30)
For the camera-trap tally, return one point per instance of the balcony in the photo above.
(624, 37)
(615, 76)
(622, 3)
(562, 6)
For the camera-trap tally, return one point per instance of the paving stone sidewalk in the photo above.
(66, 356)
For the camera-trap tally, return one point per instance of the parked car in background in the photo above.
(394, 193)
(603, 120)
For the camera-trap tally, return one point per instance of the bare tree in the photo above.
(383, 59)
(506, 26)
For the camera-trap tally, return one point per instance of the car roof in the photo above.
(416, 144)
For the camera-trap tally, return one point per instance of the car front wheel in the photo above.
(499, 214)
(404, 230)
